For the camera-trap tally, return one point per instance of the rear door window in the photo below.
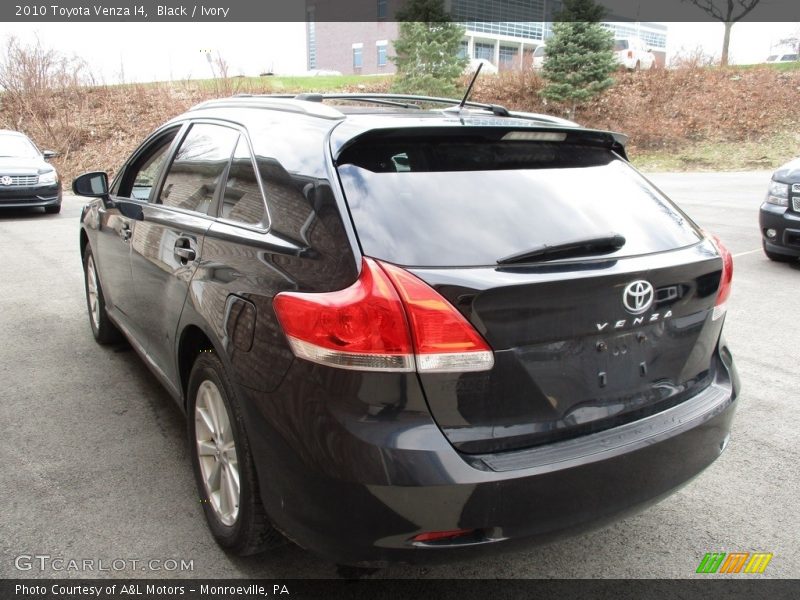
(241, 199)
(198, 167)
(470, 200)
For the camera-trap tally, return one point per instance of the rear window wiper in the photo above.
(604, 244)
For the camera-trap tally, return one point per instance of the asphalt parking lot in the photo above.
(95, 464)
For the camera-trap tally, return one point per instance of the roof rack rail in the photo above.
(500, 111)
(253, 101)
(399, 100)
(310, 97)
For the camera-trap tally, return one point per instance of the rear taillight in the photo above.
(720, 306)
(443, 339)
(388, 320)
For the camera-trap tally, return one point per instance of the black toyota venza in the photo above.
(408, 334)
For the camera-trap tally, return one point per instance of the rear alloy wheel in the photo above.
(223, 464)
(104, 331)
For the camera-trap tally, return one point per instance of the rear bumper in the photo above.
(786, 224)
(30, 197)
(356, 490)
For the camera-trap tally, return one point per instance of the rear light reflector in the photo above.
(440, 536)
(726, 280)
(388, 320)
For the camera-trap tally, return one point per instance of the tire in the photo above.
(52, 210)
(219, 448)
(784, 258)
(104, 331)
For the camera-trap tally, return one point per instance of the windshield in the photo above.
(17, 146)
(454, 202)
(620, 45)
(539, 51)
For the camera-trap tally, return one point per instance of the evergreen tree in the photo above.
(427, 50)
(580, 57)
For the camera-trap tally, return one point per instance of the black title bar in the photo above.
(367, 10)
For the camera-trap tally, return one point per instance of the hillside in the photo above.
(677, 119)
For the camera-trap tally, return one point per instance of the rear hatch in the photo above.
(585, 337)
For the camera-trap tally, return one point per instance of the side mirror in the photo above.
(94, 185)
(48, 154)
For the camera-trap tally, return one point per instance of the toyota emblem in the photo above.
(638, 296)
(5, 180)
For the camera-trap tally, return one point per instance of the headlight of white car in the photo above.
(48, 178)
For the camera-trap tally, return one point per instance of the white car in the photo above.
(538, 57)
(780, 58)
(633, 55)
(487, 69)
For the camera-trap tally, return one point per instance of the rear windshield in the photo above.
(467, 201)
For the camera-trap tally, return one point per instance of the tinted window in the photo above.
(198, 166)
(462, 202)
(143, 175)
(242, 200)
(620, 45)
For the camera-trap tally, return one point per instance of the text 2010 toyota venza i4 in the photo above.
(405, 334)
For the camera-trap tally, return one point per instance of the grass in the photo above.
(281, 84)
(784, 66)
(764, 154)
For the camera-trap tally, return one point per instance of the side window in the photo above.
(140, 178)
(242, 200)
(198, 166)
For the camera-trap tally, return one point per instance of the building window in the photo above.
(358, 59)
(382, 9)
(381, 48)
(485, 51)
(463, 49)
(508, 56)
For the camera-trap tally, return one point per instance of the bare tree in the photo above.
(729, 12)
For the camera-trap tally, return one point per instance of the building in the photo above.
(506, 34)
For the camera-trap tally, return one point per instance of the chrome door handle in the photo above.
(185, 254)
(183, 250)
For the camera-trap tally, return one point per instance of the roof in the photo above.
(352, 115)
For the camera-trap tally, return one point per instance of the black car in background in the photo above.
(406, 334)
(779, 217)
(26, 178)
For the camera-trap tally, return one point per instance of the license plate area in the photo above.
(623, 361)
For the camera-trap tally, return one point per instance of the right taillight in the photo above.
(720, 306)
(388, 320)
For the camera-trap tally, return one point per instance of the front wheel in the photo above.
(104, 331)
(223, 463)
